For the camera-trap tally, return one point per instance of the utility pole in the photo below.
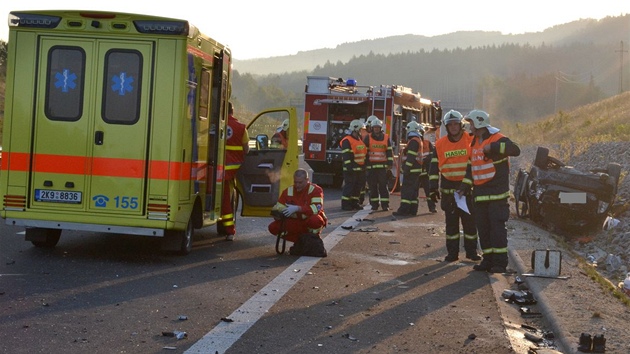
(621, 51)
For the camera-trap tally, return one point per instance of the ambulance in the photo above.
(117, 123)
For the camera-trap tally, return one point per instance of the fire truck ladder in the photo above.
(379, 100)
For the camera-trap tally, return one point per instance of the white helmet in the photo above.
(370, 120)
(479, 119)
(452, 116)
(377, 123)
(356, 125)
(415, 127)
(285, 125)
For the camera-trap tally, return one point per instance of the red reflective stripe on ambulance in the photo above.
(103, 166)
(15, 161)
(74, 165)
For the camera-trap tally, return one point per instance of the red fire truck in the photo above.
(330, 105)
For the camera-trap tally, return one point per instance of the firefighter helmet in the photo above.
(415, 127)
(377, 123)
(356, 125)
(452, 116)
(285, 125)
(370, 120)
(479, 119)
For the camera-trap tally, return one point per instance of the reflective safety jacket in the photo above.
(449, 163)
(310, 200)
(353, 153)
(490, 172)
(379, 149)
(414, 156)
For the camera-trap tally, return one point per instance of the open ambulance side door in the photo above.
(272, 159)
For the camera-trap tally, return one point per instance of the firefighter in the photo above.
(236, 147)
(353, 153)
(380, 160)
(280, 139)
(411, 171)
(302, 206)
(489, 171)
(427, 153)
(447, 170)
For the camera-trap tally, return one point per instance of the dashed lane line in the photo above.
(225, 334)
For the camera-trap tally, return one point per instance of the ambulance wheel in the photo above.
(186, 239)
(44, 238)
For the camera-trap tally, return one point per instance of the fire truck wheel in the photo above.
(45, 238)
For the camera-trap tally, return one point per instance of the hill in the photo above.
(581, 31)
(601, 121)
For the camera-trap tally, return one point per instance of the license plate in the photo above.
(315, 147)
(47, 195)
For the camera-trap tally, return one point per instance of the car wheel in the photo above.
(520, 195)
(614, 171)
(542, 157)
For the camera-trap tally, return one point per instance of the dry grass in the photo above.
(606, 120)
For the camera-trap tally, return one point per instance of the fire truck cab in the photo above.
(117, 123)
(330, 105)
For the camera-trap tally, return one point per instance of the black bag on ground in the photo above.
(309, 245)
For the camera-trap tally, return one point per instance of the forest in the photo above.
(555, 70)
(518, 78)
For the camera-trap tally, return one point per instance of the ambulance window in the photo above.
(121, 89)
(64, 83)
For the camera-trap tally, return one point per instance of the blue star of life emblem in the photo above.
(122, 83)
(65, 80)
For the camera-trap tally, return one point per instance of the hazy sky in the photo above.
(259, 29)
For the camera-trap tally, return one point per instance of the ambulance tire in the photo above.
(178, 241)
(48, 238)
(186, 239)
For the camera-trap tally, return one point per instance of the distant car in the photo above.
(563, 198)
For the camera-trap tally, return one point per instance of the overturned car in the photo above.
(562, 198)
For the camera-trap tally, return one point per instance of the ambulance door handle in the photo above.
(98, 138)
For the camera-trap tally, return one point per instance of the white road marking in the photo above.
(225, 334)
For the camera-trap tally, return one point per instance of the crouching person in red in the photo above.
(302, 206)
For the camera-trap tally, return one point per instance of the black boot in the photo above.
(452, 249)
(485, 265)
(470, 246)
(585, 344)
(599, 343)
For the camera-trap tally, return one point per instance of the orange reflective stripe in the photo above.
(104, 167)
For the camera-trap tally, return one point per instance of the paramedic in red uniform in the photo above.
(379, 161)
(302, 205)
(489, 172)
(447, 170)
(237, 146)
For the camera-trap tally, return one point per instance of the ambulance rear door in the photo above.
(91, 125)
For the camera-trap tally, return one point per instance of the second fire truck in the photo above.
(332, 103)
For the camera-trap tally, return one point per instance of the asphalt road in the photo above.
(378, 292)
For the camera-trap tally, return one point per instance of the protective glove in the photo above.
(434, 195)
(290, 209)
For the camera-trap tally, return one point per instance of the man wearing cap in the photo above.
(489, 171)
